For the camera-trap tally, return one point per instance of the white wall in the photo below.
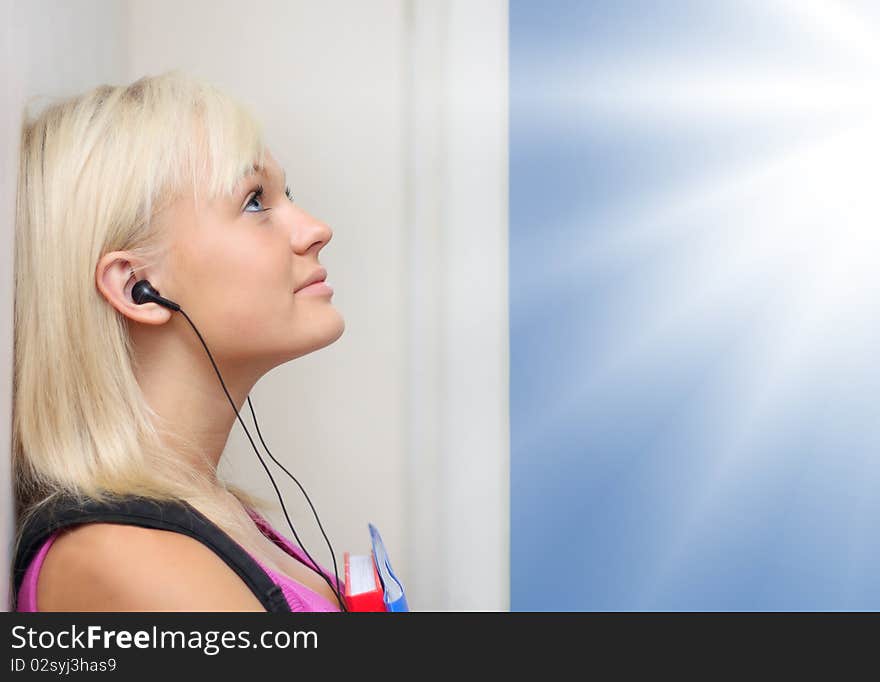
(403, 421)
(55, 49)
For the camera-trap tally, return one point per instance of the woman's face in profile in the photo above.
(239, 267)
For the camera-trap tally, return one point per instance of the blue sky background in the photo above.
(695, 393)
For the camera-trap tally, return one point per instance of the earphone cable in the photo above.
(284, 469)
(335, 588)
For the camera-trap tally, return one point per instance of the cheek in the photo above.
(238, 284)
(254, 261)
(257, 285)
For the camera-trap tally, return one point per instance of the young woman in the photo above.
(167, 180)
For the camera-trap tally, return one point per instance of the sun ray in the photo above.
(629, 230)
(759, 283)
(731, 264)
(834, 23)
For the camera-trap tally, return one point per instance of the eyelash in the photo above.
(258, 192)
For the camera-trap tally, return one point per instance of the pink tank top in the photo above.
(298, 596)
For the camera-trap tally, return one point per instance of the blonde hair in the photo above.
(95, 171)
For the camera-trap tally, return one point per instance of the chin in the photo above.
(321, 336)
(338, 330)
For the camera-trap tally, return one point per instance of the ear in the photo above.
(114, 278)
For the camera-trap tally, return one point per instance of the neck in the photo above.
(182, 388)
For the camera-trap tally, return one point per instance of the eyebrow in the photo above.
(262, 171)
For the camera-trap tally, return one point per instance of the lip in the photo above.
(318, 275)
(316, 289)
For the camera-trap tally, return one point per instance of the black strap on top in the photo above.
(178, 516)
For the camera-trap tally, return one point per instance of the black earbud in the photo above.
(143, 292)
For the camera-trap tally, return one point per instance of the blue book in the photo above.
(395, 599)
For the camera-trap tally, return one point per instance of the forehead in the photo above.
(270, 170)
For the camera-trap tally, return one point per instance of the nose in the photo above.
(310, 234)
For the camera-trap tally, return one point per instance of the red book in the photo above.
(363, 588)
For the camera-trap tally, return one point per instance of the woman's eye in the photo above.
(257, 196)
(253, 199)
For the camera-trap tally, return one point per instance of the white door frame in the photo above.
(458, 417)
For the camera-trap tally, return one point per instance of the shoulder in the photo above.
(121, 567)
